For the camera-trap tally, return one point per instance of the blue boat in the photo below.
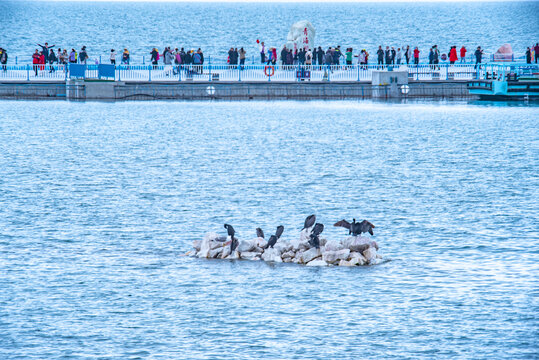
(513, 82)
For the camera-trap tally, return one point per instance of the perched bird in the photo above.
(259, 233)
(315, 240)
(231, 232)
(355, 228)
(273, 238)
(309, 221)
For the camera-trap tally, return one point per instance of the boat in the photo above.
(514, 82)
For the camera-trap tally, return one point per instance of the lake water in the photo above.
(217, 27)
(99, 201)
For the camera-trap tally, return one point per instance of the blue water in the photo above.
(99, 201)
(217, 27)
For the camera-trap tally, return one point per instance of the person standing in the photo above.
(453, 55)
(399, 56)
(308, 58)
(45, 50)
(388, 55)
(463, 54)
(52, 59)
(478, 56)
(380, 53)
(416, 56)
(83, 56)
(436, 56)
(3, 59)
(349, 56)
(154, 57)
(407, 54)
(262, 49)
(41, 61)
(320, 55)
(35, 61)
(528, 55)
(243, 55)
(536, 49)
(112, 57)
(393, 55)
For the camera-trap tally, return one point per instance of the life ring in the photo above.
(271, 70)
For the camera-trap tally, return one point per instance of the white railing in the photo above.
(254, 73)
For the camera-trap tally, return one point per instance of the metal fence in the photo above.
(255, 73)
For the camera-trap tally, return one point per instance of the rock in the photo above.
(216, 244)
(357, 258)
(332, 246)
(305, 235)
(310, 255)
(271, 255)
(234, 255)
(283, 246)
(196, 244)
(323, 241)
(204, 248)
(250, 255)
(317, 262)
(344, 263)
(261, 243)
(215, 253)
(357, 243)
(246, 246)
(288, 254)
(226, 252)
(370, 254)
(334, 256)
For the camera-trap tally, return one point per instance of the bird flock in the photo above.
(309, 247)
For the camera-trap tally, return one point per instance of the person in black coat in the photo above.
(320, 56)
(528, 56)
(380, 53)
(52, 59)
(3, 59)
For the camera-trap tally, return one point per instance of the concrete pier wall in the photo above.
(216, 90)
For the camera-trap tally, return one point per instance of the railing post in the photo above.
(329, 71)
(66, 68)
(16, 60)
(142, 59)
(119, 72)
(239, 73)
(100, 59)
(358, 78)
(180, 72)
(27, 72)
(149, 73)
(209, 69)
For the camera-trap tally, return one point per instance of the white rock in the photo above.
(317, 262)
(215, 253)
(250, 255)
(260, 242)
(288, 254)
(271, 255)
(246, 246)
(332, 246)
(216, 244)
(204, 248)
(334, 256)
(234, 255)
(357, 243)
(282, 246)
(370, 254)
(226, 252)
(344, 263)
(305, 235)
(310, 255)
(357, 258)
(196, 244)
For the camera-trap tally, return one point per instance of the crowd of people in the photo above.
(389, 56)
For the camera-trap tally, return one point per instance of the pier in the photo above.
(222, 82)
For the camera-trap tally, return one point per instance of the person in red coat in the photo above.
(35, 61)
(41, 61)
(453, 55)
(463, 54)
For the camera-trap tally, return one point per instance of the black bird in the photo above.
(356, 228)
(317, 230)
(231, 233)
(259, 233)
(273, 238)
(311, 219)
